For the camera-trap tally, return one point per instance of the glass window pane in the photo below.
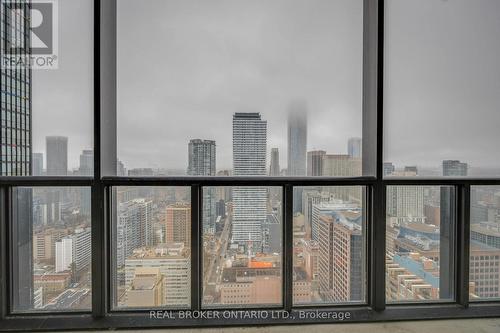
(442, 78)
(51, 232)
(242, 246)
(484, 275)
(47, 108)
(329, 245)
(420, 244)
(151, 231)
(289, 69)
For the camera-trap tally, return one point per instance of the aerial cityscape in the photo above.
(242, 231)
(242, 226)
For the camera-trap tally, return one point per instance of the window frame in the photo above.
(103, 317)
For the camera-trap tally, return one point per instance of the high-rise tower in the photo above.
(274, 168)
(249, 144)
(455, 168)
(57, 155)
(15, 118)
(201, 157)
(297, 146)
(249, 159)
(297, 139)
(202, 163)
(16, 143)
(86, 163)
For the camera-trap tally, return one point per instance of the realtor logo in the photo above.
(30, 34)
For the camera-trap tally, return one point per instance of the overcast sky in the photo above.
(185, 66)
(62, 98)
(442, 82)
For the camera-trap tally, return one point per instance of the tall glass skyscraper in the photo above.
(297, 139)
(249, 159)
(297, 146)
(202, 163)
(57, 155)
(16, 142)
(86, 163)
(274, 169)
(15, 118)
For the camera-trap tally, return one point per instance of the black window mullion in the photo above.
(287, 247)
(448, 242)
(373, 157)
(377, 247)
(3, 253)
(98, 250)
(196, 246)
(463, 244)
(100, 202)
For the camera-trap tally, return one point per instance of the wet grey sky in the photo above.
(62, 98)
(184, 67)
(442, 82)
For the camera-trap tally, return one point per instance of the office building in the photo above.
(454, 168)
(15, 115)
(297, 139)
(312, 196)
(57, 155)
(178, 224)
(328, 208)
(274, 168)
(15, 156)
(201, 158)
(249, 144)
(325, 257)
(74, 251)
(253, 281)
(487, 233)
(146, 289)
(406, 203)
(349, 272)
(340, 257)
(297, 145)
(64, 254)
(389, 169)
(302, 293)
(249, 159)
(134, 228)
(315, 162)
(173, 261)
(86, 163)
(335, 165)
(311, 255)
(44, 243)
(47, 207)
(82, 252)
